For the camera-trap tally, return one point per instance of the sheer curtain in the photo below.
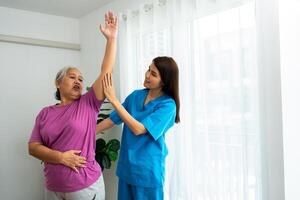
(214, 153)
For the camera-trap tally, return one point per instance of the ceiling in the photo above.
(66, 8)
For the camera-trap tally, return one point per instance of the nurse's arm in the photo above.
(135, 126)
(104, 125)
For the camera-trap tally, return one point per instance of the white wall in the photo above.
(40, 26)
(289, 12)
(27, 84)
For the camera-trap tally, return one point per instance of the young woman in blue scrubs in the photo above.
(147, 115)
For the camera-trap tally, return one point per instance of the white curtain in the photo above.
(214, 153)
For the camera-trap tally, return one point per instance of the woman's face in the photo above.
(152, 78)
(70, 86)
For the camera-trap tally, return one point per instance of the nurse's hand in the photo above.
(108, 88)
(72, 159)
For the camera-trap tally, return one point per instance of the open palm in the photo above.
(110, 30)
(108, 88)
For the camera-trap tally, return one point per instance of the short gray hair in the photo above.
(61, 73)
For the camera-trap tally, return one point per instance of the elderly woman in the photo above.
(64, 134)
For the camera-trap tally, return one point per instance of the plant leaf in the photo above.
(106, 162)
(99, 120)
(100, 145)
(113, 145)
(105, 109)
(99, 158)
(104, 116)
(112, 155)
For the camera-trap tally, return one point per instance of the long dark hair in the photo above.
(169, 74)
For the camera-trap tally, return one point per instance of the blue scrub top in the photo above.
(142, 157)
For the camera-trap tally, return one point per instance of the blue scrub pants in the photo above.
(133, 192)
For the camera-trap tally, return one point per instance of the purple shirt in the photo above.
(69, 127)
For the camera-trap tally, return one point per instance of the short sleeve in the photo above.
(35, 134)
(114, 116)
(163, 117)
(91, 100)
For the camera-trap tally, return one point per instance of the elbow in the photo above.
(139, 131)
(100, 128)
(32, 149)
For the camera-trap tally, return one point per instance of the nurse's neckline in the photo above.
(153, 99)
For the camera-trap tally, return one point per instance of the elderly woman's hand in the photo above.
(72, 159)
(110, 30)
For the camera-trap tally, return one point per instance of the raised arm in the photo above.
(110, 32)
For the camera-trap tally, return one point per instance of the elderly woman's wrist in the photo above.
(60, 158)
(111, 39)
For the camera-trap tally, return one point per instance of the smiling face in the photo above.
(70, 86)
(152, 78)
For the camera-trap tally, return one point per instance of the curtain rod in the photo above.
(39, 42)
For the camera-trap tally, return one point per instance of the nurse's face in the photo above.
(152, 78)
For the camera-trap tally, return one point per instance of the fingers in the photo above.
(75, 169)
(76, 151)
(104, 82)
(106, 19)
(110, 22)
(107, 84)
(110, 80)
(116, 20)
(110, 18)
(81, 165)
(101, 28)
(79, 160)
(73, 160)
(107, 80)
(106, 16)
(82, 162)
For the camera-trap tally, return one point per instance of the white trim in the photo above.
(39, 42)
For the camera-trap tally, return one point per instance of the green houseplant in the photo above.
(106, 152)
